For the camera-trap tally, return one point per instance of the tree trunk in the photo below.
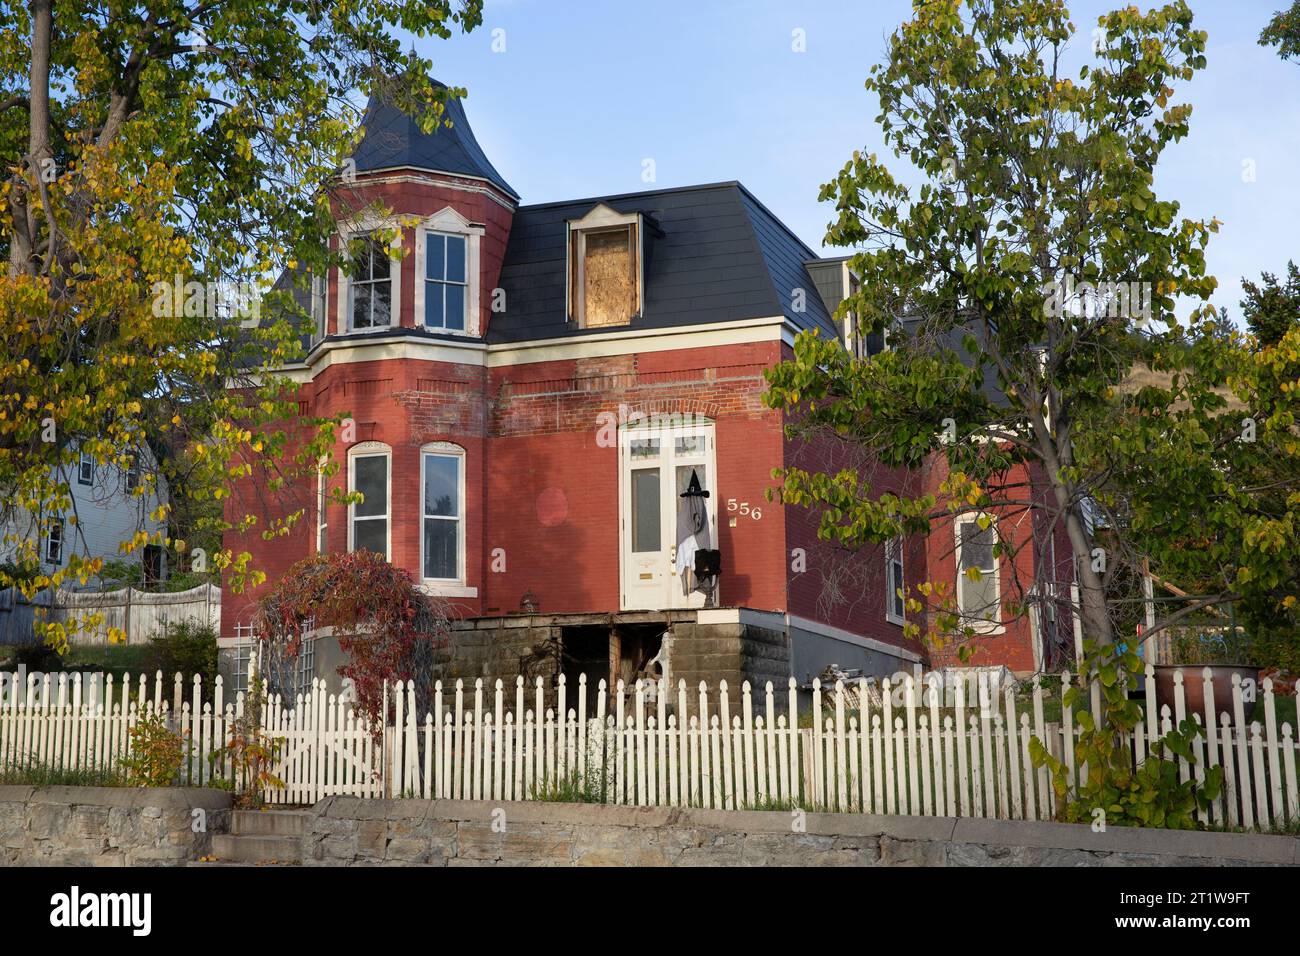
(22, 249)
(1092, 596)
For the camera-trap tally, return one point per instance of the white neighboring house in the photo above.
(106, 514)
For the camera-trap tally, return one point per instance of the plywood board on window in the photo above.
(609, 279)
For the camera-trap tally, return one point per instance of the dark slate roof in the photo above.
(714, 254)
(393, 140)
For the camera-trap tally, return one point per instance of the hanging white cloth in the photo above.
(693, 534)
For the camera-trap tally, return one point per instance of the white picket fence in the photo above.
(66, 722)
(904, 755)
(924, 748)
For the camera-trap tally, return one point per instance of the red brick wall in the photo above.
(538, 485)
(1013, 647)
(541, 488)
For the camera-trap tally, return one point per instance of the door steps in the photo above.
(260, 837)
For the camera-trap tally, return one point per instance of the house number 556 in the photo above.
(743, 508)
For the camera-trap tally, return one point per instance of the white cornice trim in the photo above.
(381, 346)
(413, 174)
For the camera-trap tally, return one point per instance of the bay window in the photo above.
(370, 287)
(369, 474)
(446, 284)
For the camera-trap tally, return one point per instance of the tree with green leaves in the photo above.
(165, 161)
(1283, 32)
(1036, 366)
(1272, 308)
(1021, 282)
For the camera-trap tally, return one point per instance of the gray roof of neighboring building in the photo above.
(713, 253)
(393, 140)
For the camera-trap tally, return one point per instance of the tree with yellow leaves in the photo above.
(164, 162)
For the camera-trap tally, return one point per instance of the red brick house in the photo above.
(534, 386)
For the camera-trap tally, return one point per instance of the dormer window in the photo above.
(370, 287)
(445, 282)
(605, 268)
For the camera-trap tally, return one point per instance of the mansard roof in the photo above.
(713, 253)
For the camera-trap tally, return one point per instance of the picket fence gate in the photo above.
(66, 722)
(960, 749)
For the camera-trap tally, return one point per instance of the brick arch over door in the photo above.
(669, 406)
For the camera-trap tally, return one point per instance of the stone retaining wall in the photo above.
(349, 831)
(108, 826)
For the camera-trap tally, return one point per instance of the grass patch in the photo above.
(36, 774)
(117, 660)
(771, 803)
(570, 789)
(1277, 828)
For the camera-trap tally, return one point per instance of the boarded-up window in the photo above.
(606, 277)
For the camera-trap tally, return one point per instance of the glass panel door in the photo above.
(657, 464)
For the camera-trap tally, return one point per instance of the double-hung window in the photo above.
(369, 476)
(370, 287)
(446, 284)
(977, 570)
(319, 320)
(86, 469)
(322, 502)
(894, 602)
(443, 515)
(54, 544)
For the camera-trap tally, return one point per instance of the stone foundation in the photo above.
(734, 652)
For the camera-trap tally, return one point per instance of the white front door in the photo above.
(656, 463)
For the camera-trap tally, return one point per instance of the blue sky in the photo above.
(586, 91)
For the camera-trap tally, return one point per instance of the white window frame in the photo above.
(371, 449)
(894, 551)
(446, 450)
(980, 625)
(322, 502)
(133, 474)
(54, 544)
(319, 311)
(356, 229)
(601, 218)
(86, 460)
(448, 222)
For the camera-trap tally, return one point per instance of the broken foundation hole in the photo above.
(626, 652)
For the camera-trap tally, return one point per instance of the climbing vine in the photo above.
(386, 627)
(1113, 788)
